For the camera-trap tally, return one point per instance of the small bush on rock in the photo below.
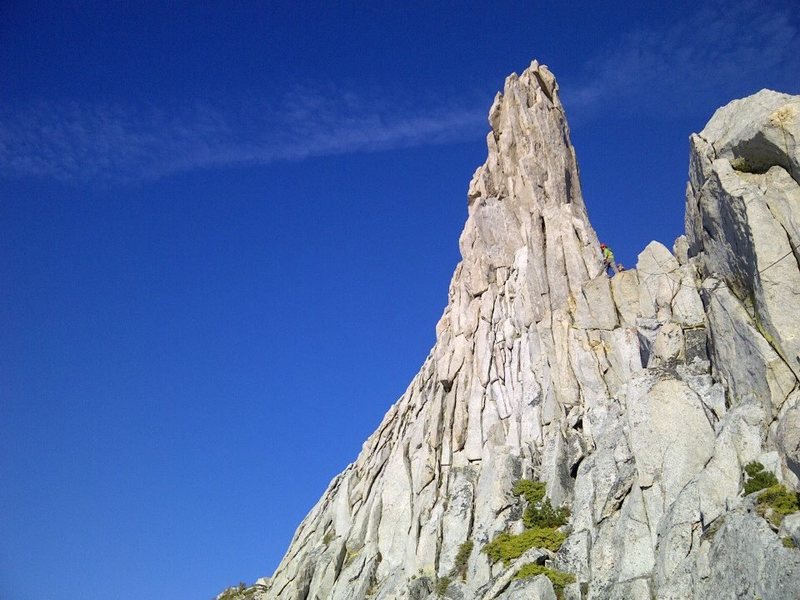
(541, 522)
(559, 579)
(441, 586)
(507, 547)
(757, 478)
(776, 502)
(539, 512)
(460, 566)
(532, 491)
(544, 515)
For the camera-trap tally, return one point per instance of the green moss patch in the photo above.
(351, 556)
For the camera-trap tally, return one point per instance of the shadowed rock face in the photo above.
(637, 399)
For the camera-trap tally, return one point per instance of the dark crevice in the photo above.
(573, 472)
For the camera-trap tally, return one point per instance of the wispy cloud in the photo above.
(721, 49)
(114, 143)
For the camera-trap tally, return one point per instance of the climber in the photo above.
(608, 260)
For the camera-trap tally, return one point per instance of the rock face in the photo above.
(637, 400)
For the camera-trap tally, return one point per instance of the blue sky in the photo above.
(226, 235)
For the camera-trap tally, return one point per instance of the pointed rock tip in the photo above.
(536, 75)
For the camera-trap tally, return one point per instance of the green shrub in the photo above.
(761, 481)
(757, 478)
(539, 512)
(781, 500)
(328, 538)
(789, 543)
(460, 567)
(559, 579)
(532, 491)
(441, 586)
(543, 514)
(753, 468)
(507, 547)
(541, 521)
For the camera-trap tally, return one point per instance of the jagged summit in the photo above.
(637, 401)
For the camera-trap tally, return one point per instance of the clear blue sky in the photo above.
(226, 235)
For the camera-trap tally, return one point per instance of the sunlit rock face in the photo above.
(638, 400)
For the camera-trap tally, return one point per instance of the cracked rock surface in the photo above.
(638, 399)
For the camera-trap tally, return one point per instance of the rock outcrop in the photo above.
(637, 400)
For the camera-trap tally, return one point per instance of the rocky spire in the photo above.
(636, 400)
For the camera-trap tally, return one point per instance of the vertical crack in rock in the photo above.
(637, 401)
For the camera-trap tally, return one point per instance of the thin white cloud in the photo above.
(114, 143)
(727, 49)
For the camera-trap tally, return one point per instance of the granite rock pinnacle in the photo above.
(637, 400)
